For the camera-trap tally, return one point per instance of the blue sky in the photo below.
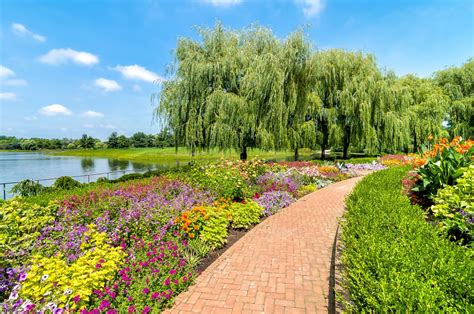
(88, 66)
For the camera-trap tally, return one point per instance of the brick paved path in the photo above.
(280, 266)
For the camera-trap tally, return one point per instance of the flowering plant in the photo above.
(274, 201)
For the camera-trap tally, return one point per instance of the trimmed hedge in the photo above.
(394, 260)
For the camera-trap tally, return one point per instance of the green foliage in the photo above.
(53, 279)
(66, 183)
(27, 188)
(458, 84)
(245, 214)
(306, 189)
(393, 260)
(214, 229)
(454, 208)
(442, 170)
(224, 181)
(20, 226)
(128, 176)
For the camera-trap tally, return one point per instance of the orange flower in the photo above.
(430, 137)
(191, 235)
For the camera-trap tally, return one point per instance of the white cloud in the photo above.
(92, 114)
(32, 118)
(21, 30)
(107, 85)
(136, 72)
(15, 82)
(108, 126)
(7, 96)
(54, 110)
(65, 55)
(6, 72)
(310, 7)
(222, 3)
(87, 125)
(137, 88)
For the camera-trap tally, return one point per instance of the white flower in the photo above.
(51, 305)
(14, 295)
(68, 291)
(44, 277)
(47, 293)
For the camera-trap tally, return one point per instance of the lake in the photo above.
(17, 166)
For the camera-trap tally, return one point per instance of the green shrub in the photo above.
(66, 183)
(102, 180)
(306, 189)
(245, 214)
(129, 176)
(393, 260)
(454, 208)
(27, 188)
(20, 226)
(214, 230)
(223, 180)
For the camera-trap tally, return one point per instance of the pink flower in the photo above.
(131, 309)
(155, 295)
(167, 282)
(172, 272)
(104, 305)
(98, 265)
(146, 290)
(185, 279)
(76, 299)
(146, 310)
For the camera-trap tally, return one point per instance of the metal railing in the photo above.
(88, 176)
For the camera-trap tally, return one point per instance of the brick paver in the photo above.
(280, 266)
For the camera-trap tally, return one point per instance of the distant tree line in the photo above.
(163, 139)
(240, 89)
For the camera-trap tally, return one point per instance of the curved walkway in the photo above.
(282, 265)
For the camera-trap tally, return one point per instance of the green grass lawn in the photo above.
(170, 156)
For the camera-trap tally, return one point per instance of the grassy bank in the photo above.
(169, 155)
(394, 261)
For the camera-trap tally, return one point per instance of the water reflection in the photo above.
(115, 164)
(140, 167)
(87, 164)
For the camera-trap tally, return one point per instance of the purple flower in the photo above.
(22, 276)
(76, 299)
(104, 305)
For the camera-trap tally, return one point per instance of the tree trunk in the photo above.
(324, 144)
(243, 153)
(415, 144)
(346, 142)
(345, 149)
(297, 154)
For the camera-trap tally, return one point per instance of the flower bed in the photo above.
(441, 182)
(132, 247)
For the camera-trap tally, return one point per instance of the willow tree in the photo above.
(391, 115)
(458, 84)
(427, 109)
(226, 91)
(297, 86)
(347, 84)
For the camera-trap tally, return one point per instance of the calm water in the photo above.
(17, 166)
